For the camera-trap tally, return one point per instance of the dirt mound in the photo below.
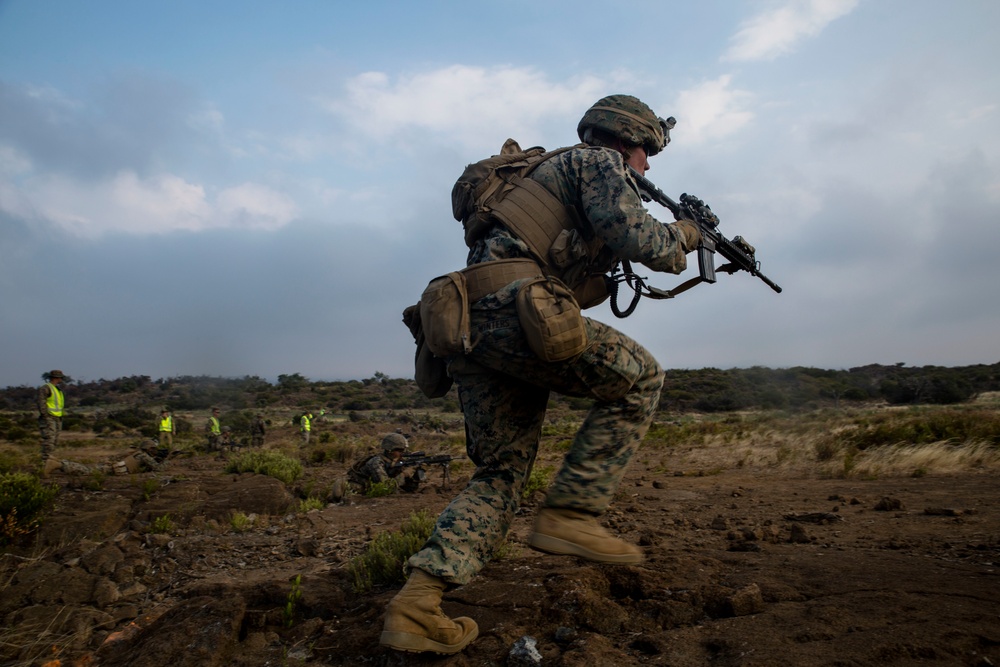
(742, 568)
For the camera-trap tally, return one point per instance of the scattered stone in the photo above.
(799, 535)
(815, 517)
(942, 511)
(747, 600)
(524, 653)
(720, 523)
(888, 504)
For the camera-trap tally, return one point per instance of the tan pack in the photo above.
(444, 315)
(551, 319)
(430, 372)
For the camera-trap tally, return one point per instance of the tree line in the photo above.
(702, 390)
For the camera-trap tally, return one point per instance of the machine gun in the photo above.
(419, 460)
(741, 255)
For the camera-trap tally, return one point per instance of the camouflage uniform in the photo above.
(379, 469)
(257, 431)
(504, 388)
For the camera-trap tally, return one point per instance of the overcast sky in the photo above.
(258, 188)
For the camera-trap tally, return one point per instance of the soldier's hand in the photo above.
(689, 232)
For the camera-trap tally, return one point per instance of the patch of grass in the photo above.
(311, 504)
(23, 498)
(149, 487)
(381, 563)
(240, 522)
(162, 524)
(538, 480)
(292, 601)
(380, 489)
(266, 462)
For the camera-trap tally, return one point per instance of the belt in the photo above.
(488, 277)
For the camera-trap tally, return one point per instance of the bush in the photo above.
(22, 499)
(381, 564)
(267, 462)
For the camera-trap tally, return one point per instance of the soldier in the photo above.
(214, 430)
(50, 403)
(166, 429)
(149, 457)
(503, 385)
(305, 427)
(257, 431)
(384, 466)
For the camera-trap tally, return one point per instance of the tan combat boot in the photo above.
(49, 466)
(563, 531)
(414, 621)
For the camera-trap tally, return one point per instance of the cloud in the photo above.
(778, 31)
(131, 204)
(713, 110)
(464, 102)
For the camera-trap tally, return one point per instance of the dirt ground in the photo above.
(744, 567)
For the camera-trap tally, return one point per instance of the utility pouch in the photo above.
(430, 372)
(551, 319)
(444, 314)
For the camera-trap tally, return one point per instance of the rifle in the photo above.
(418, 460)
(741, 255)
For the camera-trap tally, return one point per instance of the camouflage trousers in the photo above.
(49, 428)
(257, 440)
(504, 411)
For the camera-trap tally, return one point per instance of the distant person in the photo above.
(226, 441)
(150, 456)
(166, 429)
(305, 427)
(50, 403)
(384, 466)
(257, 430)
(214, 430)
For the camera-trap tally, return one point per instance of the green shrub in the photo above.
(23, 498)
(266, 462)
(311, 504)
(162, 524)
(381, 563)
(538, 480)
(380, 489)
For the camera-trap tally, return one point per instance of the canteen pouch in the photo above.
(430, 372)
(551, 319)
(444, 315)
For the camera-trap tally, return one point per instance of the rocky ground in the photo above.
(744, 567)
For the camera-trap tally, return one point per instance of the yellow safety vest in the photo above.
(167, 425)
(215, 426)
(306, 426)
(55, 401)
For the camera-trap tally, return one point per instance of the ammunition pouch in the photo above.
(551, 319)
(430, 372)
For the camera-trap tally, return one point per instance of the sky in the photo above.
(260, 188)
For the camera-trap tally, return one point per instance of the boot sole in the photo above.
(554, 545)
(404, 641)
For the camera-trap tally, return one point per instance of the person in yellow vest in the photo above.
(214, 430)
(50, 410)
(305, 426)
(167, 429)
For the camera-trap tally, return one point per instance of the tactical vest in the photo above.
(498, 189)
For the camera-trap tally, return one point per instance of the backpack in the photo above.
(498, 189)
(478, 195)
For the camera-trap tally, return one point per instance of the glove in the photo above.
(689, 233)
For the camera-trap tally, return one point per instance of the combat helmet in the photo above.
(629, 119)
(394, 441)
